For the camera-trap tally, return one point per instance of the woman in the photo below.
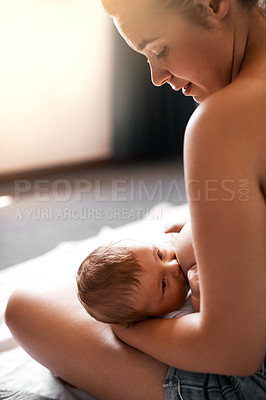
(214, 50)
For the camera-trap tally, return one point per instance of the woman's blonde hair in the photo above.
(187, 8)
(198, 12)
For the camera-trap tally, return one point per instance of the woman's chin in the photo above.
(199, 98)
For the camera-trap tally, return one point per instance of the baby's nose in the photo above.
(171, 254)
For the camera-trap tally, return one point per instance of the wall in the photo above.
(55, 83)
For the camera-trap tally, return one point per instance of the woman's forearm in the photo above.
(187, 343)
(175, 342)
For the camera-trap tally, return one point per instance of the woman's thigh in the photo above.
(54, 329)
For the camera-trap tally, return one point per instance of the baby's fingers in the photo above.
(173, 228)
(193, 278)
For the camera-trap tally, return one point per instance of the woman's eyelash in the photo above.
(163, 53)
(159, 254)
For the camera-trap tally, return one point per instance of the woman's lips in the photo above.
(187, 89)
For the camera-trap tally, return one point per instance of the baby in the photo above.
(128, 281)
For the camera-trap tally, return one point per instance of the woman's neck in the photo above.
(250, 51)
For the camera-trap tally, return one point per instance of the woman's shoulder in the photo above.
(225, 137)
(232, 124)
(235, 109)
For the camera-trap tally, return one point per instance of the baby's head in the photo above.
(127, 281)
(107, 283)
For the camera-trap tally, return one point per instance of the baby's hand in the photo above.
(193, 278)
(171, 238)
(169, 228)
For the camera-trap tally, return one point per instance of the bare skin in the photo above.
(224, 144)
(54, 328)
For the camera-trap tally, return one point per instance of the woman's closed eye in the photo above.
(163, 53)
(163, 285)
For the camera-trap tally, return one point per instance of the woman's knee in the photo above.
(18, 307)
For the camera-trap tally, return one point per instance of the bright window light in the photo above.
(5, 201)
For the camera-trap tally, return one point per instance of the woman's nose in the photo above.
(159, 76)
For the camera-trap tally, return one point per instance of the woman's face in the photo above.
(179, 52)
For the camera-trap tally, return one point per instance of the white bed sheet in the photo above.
(21, 377)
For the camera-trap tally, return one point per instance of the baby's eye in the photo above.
(163, 285)
(160, 255)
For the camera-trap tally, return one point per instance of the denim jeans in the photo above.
(183, 385)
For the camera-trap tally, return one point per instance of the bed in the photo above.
(21, 377)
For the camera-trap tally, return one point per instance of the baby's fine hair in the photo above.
(107, 281)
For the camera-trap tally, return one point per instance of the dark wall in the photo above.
(147, 121)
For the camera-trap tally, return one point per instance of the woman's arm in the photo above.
(228, 335)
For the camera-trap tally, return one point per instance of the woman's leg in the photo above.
(54, 329)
